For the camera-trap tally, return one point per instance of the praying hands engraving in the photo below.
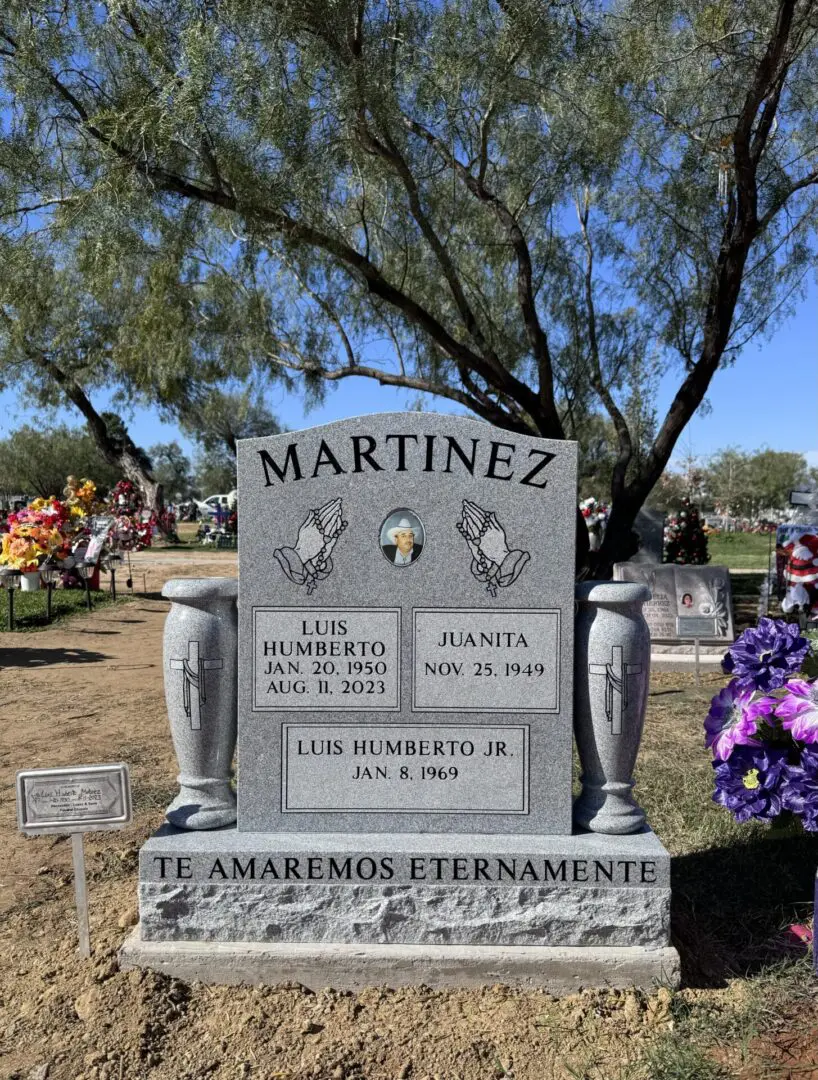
(309, 561)
(493, 562)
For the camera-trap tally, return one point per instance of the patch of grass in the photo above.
(746, 589)
(30, 607)
(673, 1057)
(740, 551)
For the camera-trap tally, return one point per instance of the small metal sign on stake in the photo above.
(75, 800)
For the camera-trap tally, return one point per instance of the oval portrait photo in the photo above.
(402, 537)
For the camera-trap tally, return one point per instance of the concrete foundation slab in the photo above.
(558, 970)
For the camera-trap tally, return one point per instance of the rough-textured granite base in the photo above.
(407, 914)
(585, 890)
(352, 967)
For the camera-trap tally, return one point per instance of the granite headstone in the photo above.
(687, 602)
(406, 649)
(650, 528)
(406, 609)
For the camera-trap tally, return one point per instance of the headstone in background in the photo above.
(650, 526)
(687, 601)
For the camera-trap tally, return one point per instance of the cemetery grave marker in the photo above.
(401, 672)
(690, 602)
(75, 800)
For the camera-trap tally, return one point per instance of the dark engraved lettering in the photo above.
(291, 458)
(481, 870)
(244, 871)
(315, 868)
(627, 863)
(217, 866)
(342, 871)
(504, 868)
(430, 449)
(549, 871)
(459, 870)
(360, 454)
(529, 476)
(495, 460)
(371, 867)
(580, 869)
(401, 440)
(291, 869)
(529, 873)
(415, 868)
(453, 444)
(183, 864)
(326, 457)
(269, 868)
(599, 868)
(649, 868)
(162, 859)
(387, 870)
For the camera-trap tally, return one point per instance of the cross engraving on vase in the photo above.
(616, 673)
(193, 677)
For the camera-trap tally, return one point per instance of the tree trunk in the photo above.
(120, 450)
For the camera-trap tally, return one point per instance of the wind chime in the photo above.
(725, 167)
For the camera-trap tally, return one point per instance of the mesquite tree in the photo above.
(526, 208)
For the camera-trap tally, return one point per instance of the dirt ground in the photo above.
(91, 690)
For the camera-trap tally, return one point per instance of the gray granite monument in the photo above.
(650, 528)
(687, 602)
(409, 677)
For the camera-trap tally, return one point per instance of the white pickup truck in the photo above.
(209, 506)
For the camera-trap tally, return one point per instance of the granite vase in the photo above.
(612, 670)
(200, 667)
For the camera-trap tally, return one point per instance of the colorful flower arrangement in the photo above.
(762, 727)
(41, 530)
(132, 529)
(596, 518)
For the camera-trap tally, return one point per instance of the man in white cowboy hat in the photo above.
(402, 549)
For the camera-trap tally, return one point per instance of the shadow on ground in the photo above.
(731, 906)
(29, 658)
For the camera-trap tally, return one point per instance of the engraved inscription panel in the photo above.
(332, 659)
(477, 660)
(417, 769)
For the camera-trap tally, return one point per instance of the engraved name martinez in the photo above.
(408, 453)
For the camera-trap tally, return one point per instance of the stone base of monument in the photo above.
(351, 910)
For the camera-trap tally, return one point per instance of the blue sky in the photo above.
(768, 398)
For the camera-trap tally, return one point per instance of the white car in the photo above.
(209, 506)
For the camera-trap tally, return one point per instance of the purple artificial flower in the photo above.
(764, 655)
(731, 721)
(749, 783)
(800, 792)
(798, 710)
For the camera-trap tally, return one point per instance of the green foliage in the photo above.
(37, 462)
(171, 468)
(215, 472)
(220, 417)
(748, 484)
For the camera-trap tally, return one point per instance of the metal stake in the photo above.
(113, 584)
(11, 607)
(88, 593)
(81, 894)
(48, 589)
(696, 654)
